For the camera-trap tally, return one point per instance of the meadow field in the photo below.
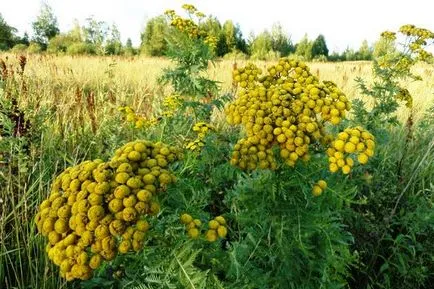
(375, 224)
(134, 81)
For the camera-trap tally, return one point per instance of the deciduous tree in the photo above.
(45, 26)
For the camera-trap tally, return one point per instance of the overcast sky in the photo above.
(342, 22)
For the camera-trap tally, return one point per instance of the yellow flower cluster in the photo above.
(389, 35)
(319, 188)
(201, 128)
(424, 55)
(216, 229)
(211, 41)
(186, 26)
(96, 209)
(138, 120)
(417, 40)
(352, 142)
(192, 225)
(170, 104)
(420, 33)
(288, 107)
(189, 25)
(189, 8)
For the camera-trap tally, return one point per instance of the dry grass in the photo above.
(55, 80)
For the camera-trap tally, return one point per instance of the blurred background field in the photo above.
(134, 80)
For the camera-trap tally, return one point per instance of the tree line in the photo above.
(100, 38)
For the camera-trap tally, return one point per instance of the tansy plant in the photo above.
(292, 109)
(396, 54)
(97, 210)
(190, 47)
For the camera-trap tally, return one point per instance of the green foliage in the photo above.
(261, 46)
(280, 41)
(94, 38)
(19, 48)
(34, 48)
(81, 48)
(236, 55)
(304, 48)
(7, 34)
(309, 50)
(191, 58)
(384, 46)
(298, 242)
(20, 129)
(95, 33)
(365, 52)
(113, 43)
(230, 38)
(371, 229)
(230, 35)
(154, 37)
(61, 42)
(129, 50)
(393, 228)
(391, 66)
(45, 26)
(319, 47)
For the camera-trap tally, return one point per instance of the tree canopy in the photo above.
(319, 47)
(45, 26)
(102, 38)
(7, 34)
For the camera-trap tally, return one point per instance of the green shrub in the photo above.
(236, 55)
(60, 43)
(19, 48)
(393, 228)
(34, 48)
(81, 48)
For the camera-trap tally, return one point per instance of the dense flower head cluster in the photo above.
(202, 129)
(287, 107)
(319, 188)
(217, 228)
(190, 26)
(350, 144)
(98, 209)
(418, 39)
(139, 121)
(170, 105)
(389, 35)
(191, 225)
(421, 33)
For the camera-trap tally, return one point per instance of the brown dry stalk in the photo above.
(111, 96)
(90, 99)
(78, 107)
(23, 61)
(4, 69)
